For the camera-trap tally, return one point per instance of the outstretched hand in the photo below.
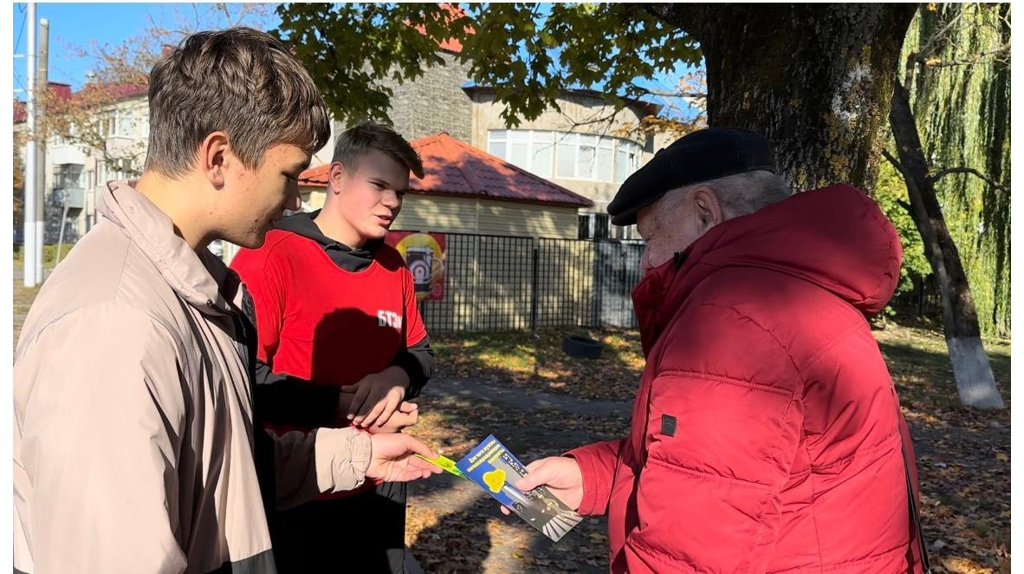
(562, 476)
(392, 458)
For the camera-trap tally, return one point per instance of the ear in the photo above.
(214, 157)
(707, 207)
(335, 177)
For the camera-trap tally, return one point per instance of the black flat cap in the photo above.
(698, 156)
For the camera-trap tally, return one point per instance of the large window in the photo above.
(125, 123)
(566, 155)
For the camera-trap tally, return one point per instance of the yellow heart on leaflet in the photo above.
(495, 479)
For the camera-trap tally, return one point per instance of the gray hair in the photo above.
(744, 193)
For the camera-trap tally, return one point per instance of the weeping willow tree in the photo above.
(950, 121)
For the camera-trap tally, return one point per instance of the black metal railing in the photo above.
(497, 283)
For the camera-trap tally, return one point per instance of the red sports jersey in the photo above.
(321, 323)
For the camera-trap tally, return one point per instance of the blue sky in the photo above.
(78, 25)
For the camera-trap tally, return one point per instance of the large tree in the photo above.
(816, 79)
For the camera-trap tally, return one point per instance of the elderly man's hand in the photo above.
(560, 474)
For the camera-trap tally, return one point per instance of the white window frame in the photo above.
(124, 123)
(574, 141)
(536, 140)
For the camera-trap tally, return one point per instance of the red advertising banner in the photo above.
(424, 254)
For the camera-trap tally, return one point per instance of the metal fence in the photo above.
(497, 283)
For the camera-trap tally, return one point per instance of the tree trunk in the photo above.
(815, 79)
(974, 380)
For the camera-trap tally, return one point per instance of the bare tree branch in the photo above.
(895, 162)
(978, 59)
(899, 167)
(670, 94)
(939, 175)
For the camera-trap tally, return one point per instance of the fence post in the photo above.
(533, 302)
(597, 306)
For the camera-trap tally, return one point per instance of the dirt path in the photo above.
(454, 526)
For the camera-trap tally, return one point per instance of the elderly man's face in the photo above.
(672, 223)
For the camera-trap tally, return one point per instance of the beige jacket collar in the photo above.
(204, 281)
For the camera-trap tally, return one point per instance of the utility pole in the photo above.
(42, 84)
(29, 218)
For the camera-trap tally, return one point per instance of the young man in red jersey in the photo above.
(322, 283)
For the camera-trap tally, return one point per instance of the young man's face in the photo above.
(255, 198)
(369, 198)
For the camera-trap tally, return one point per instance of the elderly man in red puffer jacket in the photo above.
(766, 433)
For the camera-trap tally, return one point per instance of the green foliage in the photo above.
(889, 192)
(528, 53)
(961, 94)
(350, 48)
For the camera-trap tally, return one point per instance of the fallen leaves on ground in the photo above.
(536, 361)
(963, 454)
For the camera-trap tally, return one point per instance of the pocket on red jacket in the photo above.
(717, 451)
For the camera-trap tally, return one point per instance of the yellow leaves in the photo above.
(1002, 457)
(932, 6)
(964, 566)
(932, 61)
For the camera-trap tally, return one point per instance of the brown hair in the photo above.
(240, 81)
(356, 141)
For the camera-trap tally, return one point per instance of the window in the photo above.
(627, 160)
(566, 155)
(528, 149)
(594, 226)
(67, 176)
(124, 124)
(108, 123)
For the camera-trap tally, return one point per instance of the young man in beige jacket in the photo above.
(136, 443)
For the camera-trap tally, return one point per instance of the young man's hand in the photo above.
(560, 474)
(377, 396)
(393, 458)
(405, 416)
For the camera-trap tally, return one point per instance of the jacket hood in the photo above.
(834, 237)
